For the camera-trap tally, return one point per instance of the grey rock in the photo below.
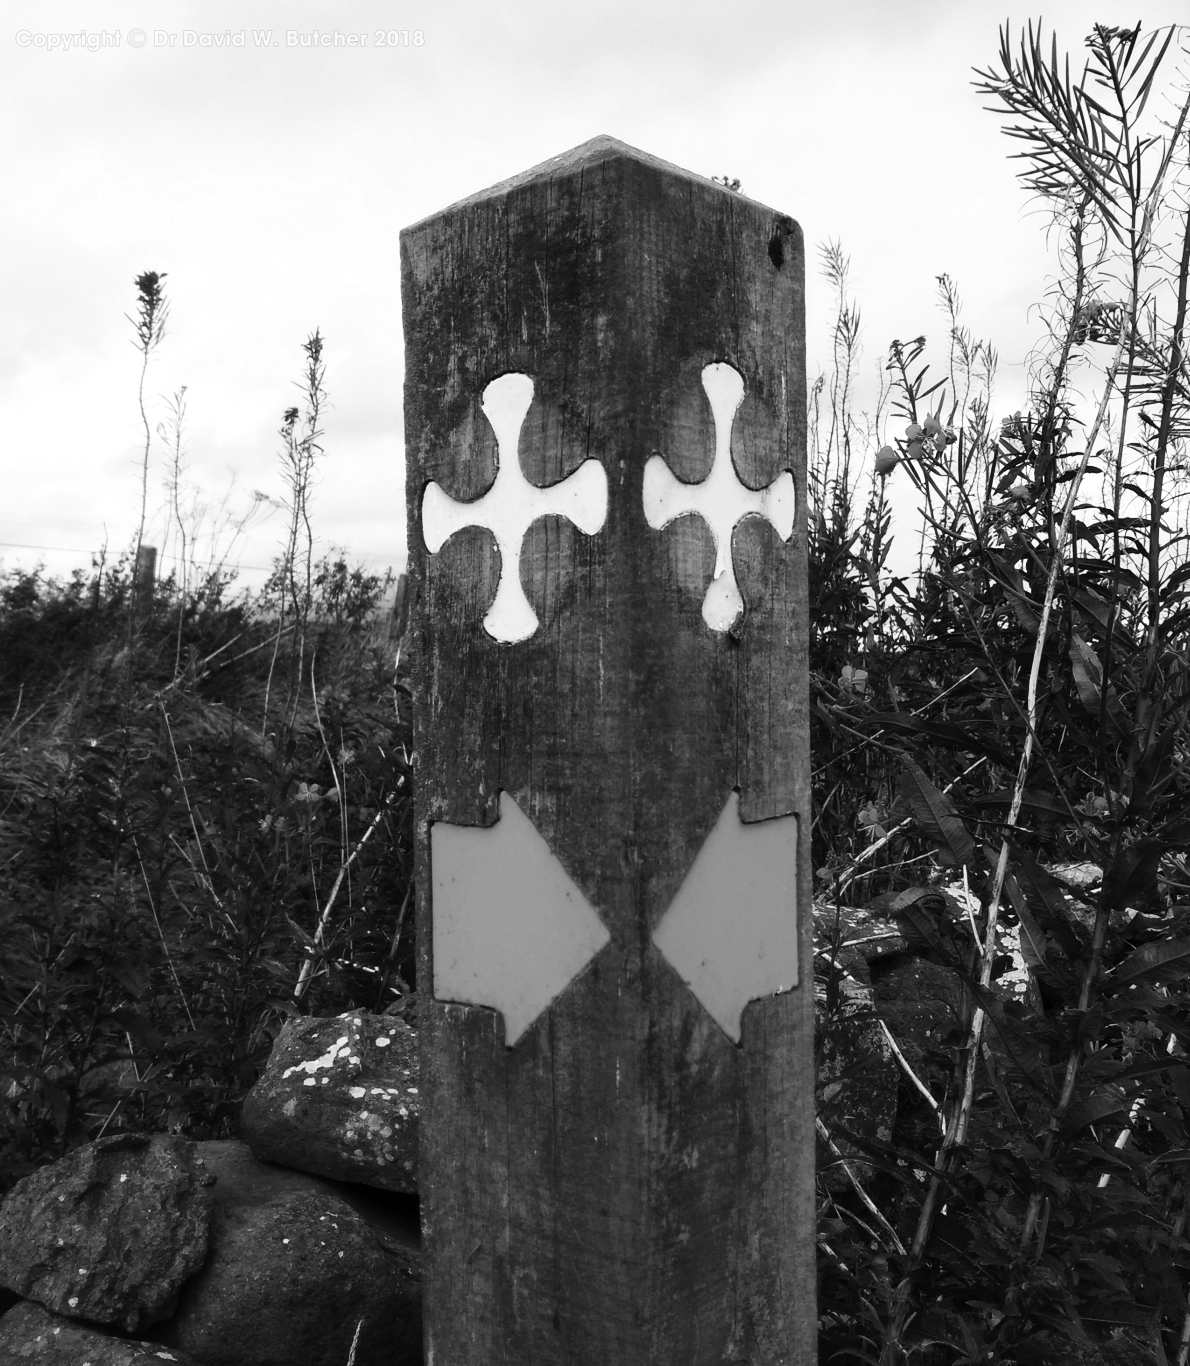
(110, 1232)
(339, 1098)
(921, 1003)
(32, 1336)
(1082, 876)
(296, 1265)
(858, 1075)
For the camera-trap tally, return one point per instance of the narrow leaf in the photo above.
(1155, 959)
(1032, 799)
(962, 737)
(1047, 903)
(1132, 872)
(1033, 940)
(1094, 1109)
(924, 917)
(936, 815)
(1021, 1039)
(1088, 674)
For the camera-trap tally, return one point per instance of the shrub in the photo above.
(204, 827)
(1025, 709)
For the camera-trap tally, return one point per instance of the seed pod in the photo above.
(886, 460)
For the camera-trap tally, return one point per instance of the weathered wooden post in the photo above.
(605, 436)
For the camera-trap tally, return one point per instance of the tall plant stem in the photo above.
(299, 455)
(1099, 933)
(956, 1130)
(960, 1119)
(307, 969)
(149, 328)
(1173, 380)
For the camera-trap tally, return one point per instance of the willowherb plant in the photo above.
(291, 582)
(1040, 678)
(148, 323)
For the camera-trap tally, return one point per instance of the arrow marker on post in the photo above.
(511, 930)
(731, 931)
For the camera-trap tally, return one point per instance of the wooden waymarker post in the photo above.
(605, 437)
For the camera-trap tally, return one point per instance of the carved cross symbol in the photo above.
(512, 504)
(721, 500)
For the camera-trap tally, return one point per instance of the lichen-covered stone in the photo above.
(295, 1268)
(340, 1098)
(111, 1231)
(32, 1336)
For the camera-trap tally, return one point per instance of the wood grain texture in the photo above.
(625, 1185)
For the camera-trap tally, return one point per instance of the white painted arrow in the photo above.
(731, 931)
(511, 930)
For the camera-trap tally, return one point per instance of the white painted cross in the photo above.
(512, 504)
(721, 500)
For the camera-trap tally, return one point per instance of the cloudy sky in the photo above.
(270, 180)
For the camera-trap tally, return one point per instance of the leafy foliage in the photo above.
(1022, 720)
(175, 856)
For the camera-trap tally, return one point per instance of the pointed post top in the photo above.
(596, 151)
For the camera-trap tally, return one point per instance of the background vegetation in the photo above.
(204, 824)
(1000, 754)
(204, 794)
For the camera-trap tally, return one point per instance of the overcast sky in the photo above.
(271, 180)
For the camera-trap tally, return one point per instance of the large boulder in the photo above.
(32, 1336)
(301, 1272)
(110, 1232)
(339, 1098)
